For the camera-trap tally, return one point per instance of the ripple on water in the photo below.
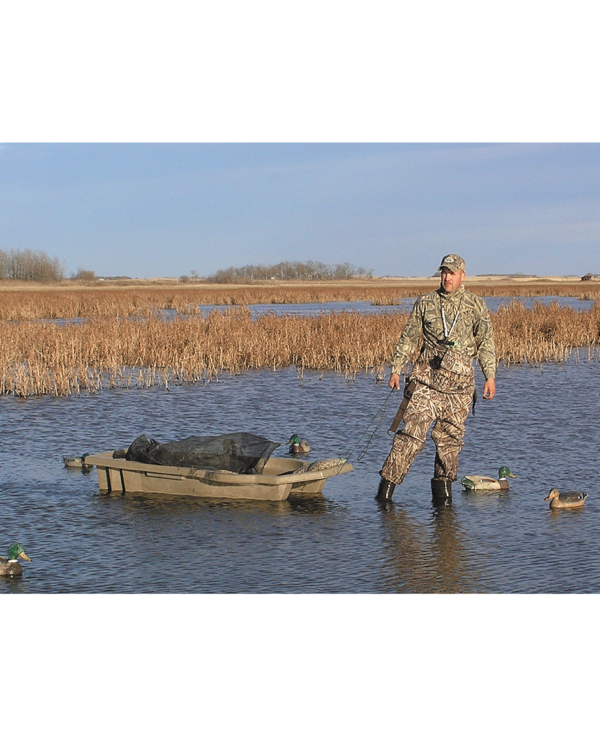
(542, 424)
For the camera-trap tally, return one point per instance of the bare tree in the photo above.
(288, 270)
(29, 265)
(84, 275)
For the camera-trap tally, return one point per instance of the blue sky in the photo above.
(151, 210)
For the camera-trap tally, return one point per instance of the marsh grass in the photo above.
(106, 352)
(91, 302)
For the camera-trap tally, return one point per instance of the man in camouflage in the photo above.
(451, 327)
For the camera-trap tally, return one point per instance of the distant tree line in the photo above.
(288, 271)
(29, 265)
(84, 275)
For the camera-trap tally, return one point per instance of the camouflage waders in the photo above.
(447, 331)
(443, 393)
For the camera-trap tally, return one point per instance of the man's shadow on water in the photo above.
(424, 558)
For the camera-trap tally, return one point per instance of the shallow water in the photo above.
(314, 309)
(403, 305)
(543, 423)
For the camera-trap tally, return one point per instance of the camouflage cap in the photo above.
(453, 263)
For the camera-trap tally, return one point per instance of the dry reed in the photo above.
(185, 300)
(104, 352)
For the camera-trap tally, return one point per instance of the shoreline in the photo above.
(387, 282)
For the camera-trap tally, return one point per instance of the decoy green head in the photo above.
(294, 440)
(504, 473)
(16, 551)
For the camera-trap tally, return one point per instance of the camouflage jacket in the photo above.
(470, 333)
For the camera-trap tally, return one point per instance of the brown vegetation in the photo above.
(104, 352)
(106, 300)
(544, 332)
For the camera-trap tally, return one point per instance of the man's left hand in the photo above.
(489, 389)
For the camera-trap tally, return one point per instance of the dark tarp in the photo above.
(240, 452)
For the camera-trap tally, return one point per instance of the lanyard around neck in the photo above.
(448, 333)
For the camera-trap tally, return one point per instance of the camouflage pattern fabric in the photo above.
(472, 334)
(444, 370)
(449, 411)
(444, 332)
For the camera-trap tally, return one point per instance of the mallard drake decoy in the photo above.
(566, 499)
(11, 567)
(487, 483)
(297, 445)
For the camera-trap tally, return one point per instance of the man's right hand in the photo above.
(394, 382)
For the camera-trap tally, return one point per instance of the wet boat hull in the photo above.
(118, 476)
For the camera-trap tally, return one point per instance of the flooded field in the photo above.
(543, 424)
(405, 305)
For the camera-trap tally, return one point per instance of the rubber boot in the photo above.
(385, 490)
(441, 488)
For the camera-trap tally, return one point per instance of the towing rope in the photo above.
(380, 411)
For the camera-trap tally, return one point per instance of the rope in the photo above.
(380, 410)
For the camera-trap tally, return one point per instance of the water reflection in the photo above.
(177, 506)
(427, 557)
(337, 542)
(315, 504)
(14, 585)
(447, 549)
(485, 499)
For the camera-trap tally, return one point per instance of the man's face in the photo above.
(451, 281)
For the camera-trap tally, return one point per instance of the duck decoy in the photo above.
(10, 566)
(566, 499)
(77, 462)
(297, 445)
(488, 483)
(321, 465)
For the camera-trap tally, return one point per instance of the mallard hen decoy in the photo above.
(488, 483)
(566, 500)
(297, 445)
(77, 462)
(321, 465)
(11, 567)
